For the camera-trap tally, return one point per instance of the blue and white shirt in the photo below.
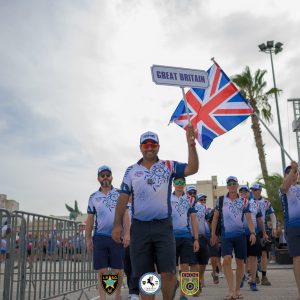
(232, 216)
(255, 213)
(103, 207)
(265, 207)
(291, 206)
(151, 189)
(181, 211)
(202, 213)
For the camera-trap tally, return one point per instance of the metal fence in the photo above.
(43, 257)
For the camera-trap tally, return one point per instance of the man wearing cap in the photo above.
(149, 181)
(186, 237)
(191, 192)
(106, 252)
(266, 210)
(253, 250)
(232, 210)
(290, 199)
(202, 256)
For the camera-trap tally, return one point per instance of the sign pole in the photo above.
(186, 106)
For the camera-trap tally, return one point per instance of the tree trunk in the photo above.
(260, 147)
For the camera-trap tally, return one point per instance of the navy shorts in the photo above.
(184, 250)
(254, 250)
(238, 244)
(107, 253)
(202, 256)
(293, 241)
(214, 251)
(152, 243)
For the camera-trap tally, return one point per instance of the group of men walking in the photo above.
(161, 229)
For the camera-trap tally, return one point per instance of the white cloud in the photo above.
(76, 88)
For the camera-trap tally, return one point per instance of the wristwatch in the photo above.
(253, 233)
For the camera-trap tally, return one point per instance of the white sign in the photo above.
(179, 76)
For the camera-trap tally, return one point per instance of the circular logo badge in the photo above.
(150, 283)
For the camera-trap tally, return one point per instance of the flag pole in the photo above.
(186, 106)
(264, 124)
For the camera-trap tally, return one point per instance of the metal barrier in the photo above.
(45, 257)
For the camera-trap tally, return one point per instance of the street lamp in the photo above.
(271, 48)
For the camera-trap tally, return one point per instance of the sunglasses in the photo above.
(202, 200)
(244, 191)
(105, 175)
(232, 183)
(179, 182)
(192, 193)
(150, 145)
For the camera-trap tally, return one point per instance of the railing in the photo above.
(45, 257)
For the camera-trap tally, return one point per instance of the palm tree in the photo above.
(252, 88)
(74, 212)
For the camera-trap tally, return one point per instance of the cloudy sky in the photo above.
(76, 89)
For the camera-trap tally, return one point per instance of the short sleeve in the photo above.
(192, 210)
(126, 186)
(269, 209)
(91, 208)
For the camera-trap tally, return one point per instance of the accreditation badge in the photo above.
(109, 282)
(189, 283)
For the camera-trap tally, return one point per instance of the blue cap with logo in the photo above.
(149, 135)
(191, 188)
(256, 186)
(243, 188)
(231, 178)
(201, 195)
(104, 168)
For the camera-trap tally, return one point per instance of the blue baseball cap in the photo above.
(231, 178)
(149, 135)
(191, 188)
(287, 170)
(104, 168)
(201, 195)
(256, 186)
(244, 188)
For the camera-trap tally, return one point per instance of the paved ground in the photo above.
(281, 276)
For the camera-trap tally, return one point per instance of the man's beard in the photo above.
(105, 183)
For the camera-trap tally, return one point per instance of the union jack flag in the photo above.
(214, 110)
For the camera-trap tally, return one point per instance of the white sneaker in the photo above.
(221, 275)
(134, 297)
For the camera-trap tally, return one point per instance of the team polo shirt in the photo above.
(151, 189)
(232, 216)
(255, 213)
(181, 211)
(202, 213)
(265, 207)
(103, 207)
(291, 206)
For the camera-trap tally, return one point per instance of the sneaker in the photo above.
(253, 287)
(221, 275)
(265, 281)
(182, 297)
(272, 262)
(215, 277)
(134, 297)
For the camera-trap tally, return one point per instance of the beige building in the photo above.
(211, 189)
(8, 204)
